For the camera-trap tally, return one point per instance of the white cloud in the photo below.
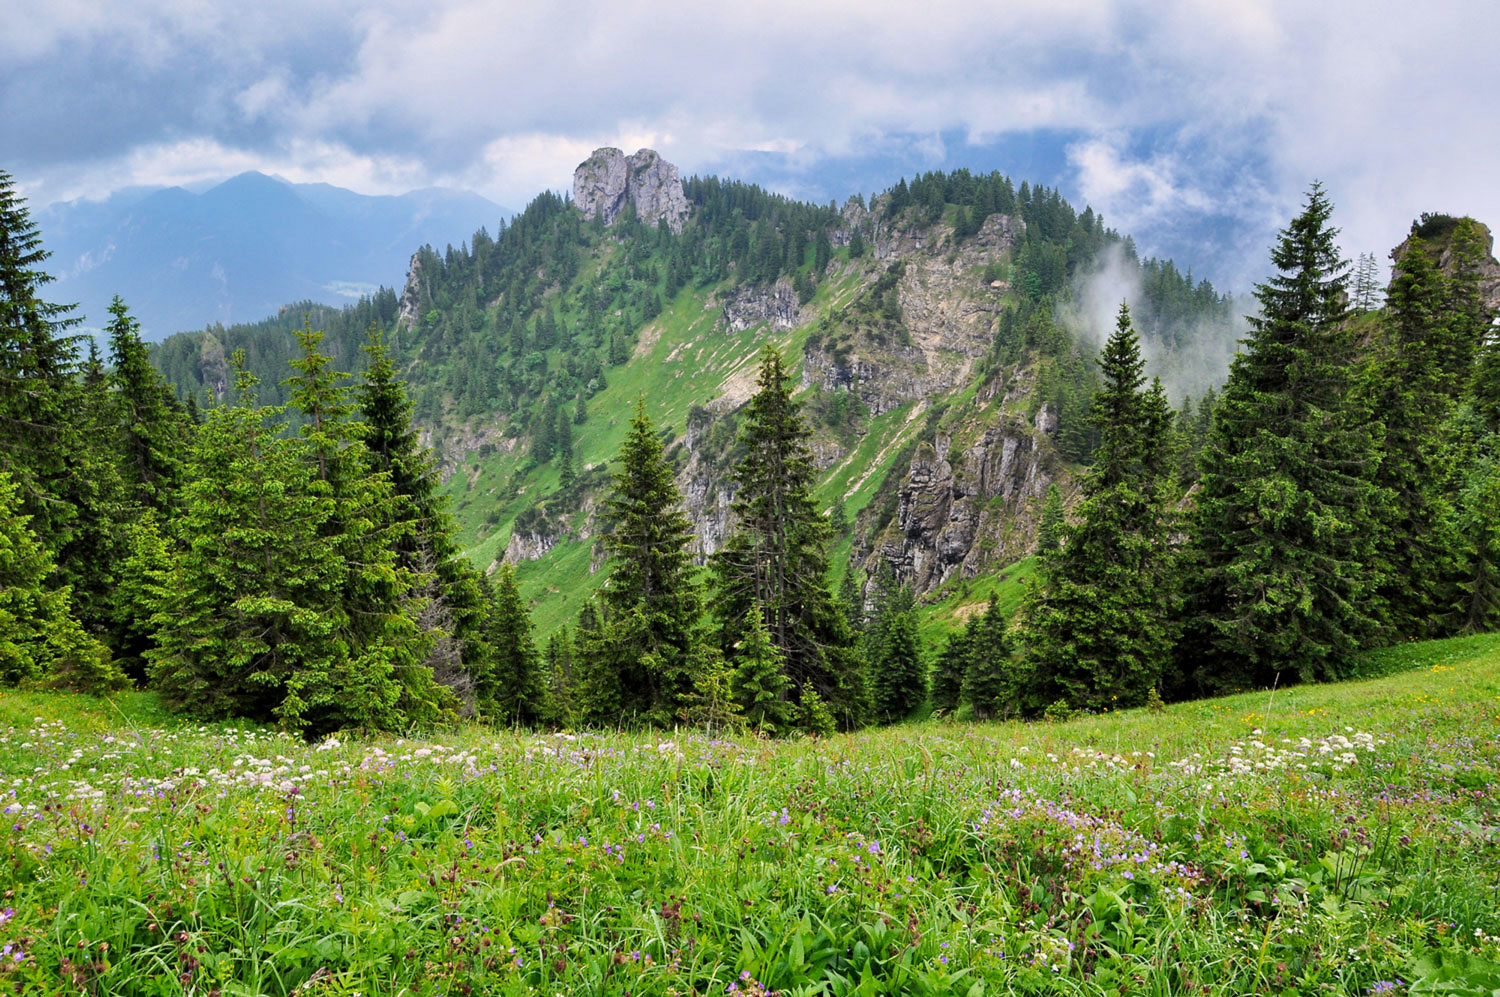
(1173, 110)
(193, 161)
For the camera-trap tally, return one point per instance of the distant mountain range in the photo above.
(239, 250)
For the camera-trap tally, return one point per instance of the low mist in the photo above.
(1189, 355)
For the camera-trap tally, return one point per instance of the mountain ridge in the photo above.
(243, 247)
(943, 393)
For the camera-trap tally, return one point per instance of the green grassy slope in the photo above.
(1325, 839)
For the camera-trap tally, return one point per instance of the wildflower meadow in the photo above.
(1335, 839)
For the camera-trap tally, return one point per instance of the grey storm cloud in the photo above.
(1173, 110)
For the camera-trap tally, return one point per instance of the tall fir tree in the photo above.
(559, 677)
(513, 689)
(951, 667)
(1097, 627)
(758, 682)
(152, 428)
(1282, 567)
(240, 611)
(283, 602)
(1469, 321)
(90, 556)
(373, 609)
(651, 577)
(776, 559)
(53, 441)
(992, 685)
(898, 675)
(1411, 386)
(39, 443)
(454, 606)
(1050, 529)
(1477, 516)
(41, 641)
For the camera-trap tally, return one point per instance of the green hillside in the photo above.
(556, 319)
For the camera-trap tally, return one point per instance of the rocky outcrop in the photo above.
(411, 294)
(707, 497)
(957, 519)
(607, 181)
(1442, 241)
(775, 304)
(528, 546)
(947, 316)
(855, 217)
(883, 381)
(457, 443)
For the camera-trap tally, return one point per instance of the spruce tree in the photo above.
(152, 429)
(1282, 560)
(1478, 519)
(240, 614)
(39, 444)
(95, 493)
(559, 676)
(951, 667)
(285, 602)
(1096, 625)
(599, 700)
(852, 599)
(1464, 310)
(455, 606)
(776, 559)
(1049, 531)
(898, 676)
(41, 641)
(991, 683)
(380, 645)
(1484, 384)
(513, 689)
(651, 576)
(1411, 386)
(712, 704)
(758, 682)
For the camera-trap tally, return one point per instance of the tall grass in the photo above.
(1327, 839)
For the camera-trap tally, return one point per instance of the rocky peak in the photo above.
(605, 182)
(411, 294)
(1438, 232)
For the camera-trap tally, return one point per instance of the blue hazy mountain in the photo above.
(239, 250)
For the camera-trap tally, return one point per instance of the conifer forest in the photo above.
(714, 592)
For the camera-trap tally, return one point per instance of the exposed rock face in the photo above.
(528, 547)
(458, 442)
(890, 380)
(605, 182)
(948, 318)
(707, 497)
(949, 520)
(855, 217)
(1489, 268)
(411, 295)
(775, 303)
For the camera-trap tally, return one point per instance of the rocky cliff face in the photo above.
(965, 510)
(946, 316)
(775, 303)
(605, 182)
(1489, 267)
(411, 294)
(528, 546)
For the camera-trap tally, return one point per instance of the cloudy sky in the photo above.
(1197, 126)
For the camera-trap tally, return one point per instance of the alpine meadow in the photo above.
(688, 588)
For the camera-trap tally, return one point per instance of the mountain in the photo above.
(941, 334)
(241, 249)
